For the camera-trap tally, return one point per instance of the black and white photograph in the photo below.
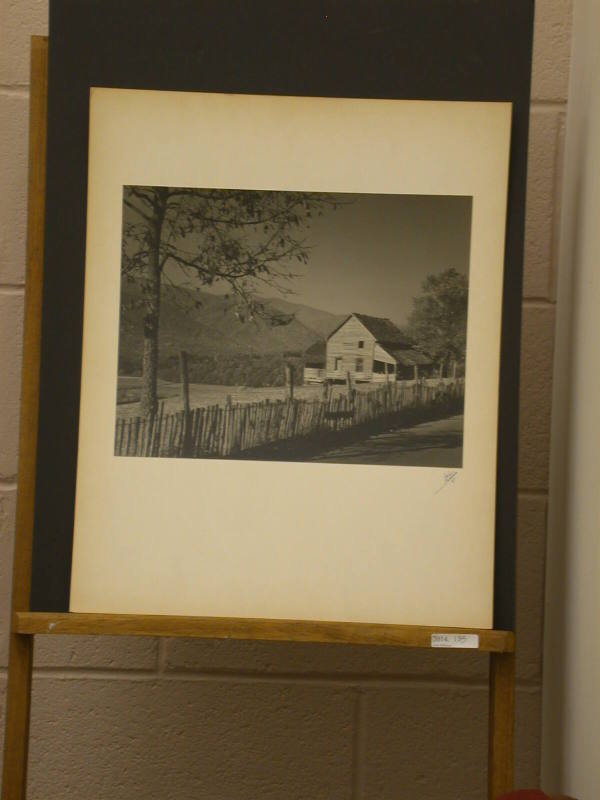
(292, 314)
(293, 326)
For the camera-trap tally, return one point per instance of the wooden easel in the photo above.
(25, 624)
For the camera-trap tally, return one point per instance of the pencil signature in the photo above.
(449, 477)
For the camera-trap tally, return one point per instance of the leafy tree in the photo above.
(438, 322)
(245, 240)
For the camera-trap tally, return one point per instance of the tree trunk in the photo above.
(151, 296)
(151, 292)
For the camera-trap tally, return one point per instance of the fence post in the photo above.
(186, 448)
(289, 380)
(351, 391)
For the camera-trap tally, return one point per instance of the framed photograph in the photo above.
(295, 315)
(242, 235)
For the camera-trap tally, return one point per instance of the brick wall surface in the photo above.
(125, 718)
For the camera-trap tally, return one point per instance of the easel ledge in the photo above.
(30, 622)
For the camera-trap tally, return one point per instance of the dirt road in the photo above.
(431, 444)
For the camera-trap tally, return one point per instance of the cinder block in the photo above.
(425, 743)
(7, 524)
(99, 652)
(19, 21)
(528, 722)
(189, 739)
(537, 346)
(352, 661)
(558, 191)
(14, 110)
(539, 239)
(11, 332)
(531, 554)
(551, 49)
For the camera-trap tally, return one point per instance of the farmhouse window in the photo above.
(380, 367)
(337, 363)
(361, 344)
(359, 364)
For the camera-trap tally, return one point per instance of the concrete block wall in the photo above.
(124, 718)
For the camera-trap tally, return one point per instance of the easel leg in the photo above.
(20, 660)
(501, 724)
(18, 704)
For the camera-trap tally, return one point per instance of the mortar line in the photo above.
(356, 683)
(539, 105)
(15, 90)
(351, 682)
(161, 665)
(358, 746)
(530, 493)
(538, 302)
(95, 674)
(12, 289)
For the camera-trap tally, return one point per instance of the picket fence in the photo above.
(224, 430)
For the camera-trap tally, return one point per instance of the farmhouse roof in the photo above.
(408, 356)
(384, 330)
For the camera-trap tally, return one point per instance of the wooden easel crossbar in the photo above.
(26, 624)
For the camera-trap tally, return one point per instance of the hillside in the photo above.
(222, 347)
(315, 319)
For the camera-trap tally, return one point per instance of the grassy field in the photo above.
(202, 394)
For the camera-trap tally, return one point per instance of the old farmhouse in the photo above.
(370, 349)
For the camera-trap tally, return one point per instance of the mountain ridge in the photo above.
(209, 325)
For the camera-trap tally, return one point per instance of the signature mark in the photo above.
(449, 477)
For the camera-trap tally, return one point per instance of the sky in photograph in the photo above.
(372, 253)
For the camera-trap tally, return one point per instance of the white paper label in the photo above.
(455, 640)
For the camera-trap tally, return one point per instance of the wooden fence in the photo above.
(221, 431)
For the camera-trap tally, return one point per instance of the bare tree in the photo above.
(244, 239)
